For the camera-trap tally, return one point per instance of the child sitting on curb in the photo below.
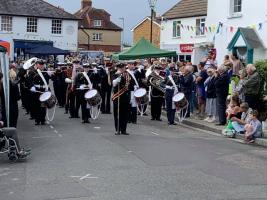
(253, 129)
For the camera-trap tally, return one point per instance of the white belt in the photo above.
(39, 86)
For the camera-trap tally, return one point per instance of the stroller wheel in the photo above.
(12, 156)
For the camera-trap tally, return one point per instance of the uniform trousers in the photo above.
(156, 106)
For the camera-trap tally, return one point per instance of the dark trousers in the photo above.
(133, 114)
(188, 96)
(71, 98)
(85, 110)
(156, 106)
(221, 107)
(253, 101)
(77, 104)
(106, 97)
(38, 110)
(170, 111)
(121, 120)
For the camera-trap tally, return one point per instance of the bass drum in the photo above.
(48, 100)
(93, 97)
(141, 96)
(180, 101)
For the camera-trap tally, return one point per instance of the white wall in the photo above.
(68, 40)
(253, 12)
(168, 42)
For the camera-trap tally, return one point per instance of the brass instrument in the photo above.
(157, 82)
(127, 77)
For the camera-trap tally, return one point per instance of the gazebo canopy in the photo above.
(2, 49)
(144, 49)
(47, 50)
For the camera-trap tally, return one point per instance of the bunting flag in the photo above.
(210, 29)
(206, 28)
(192, 28)
(182, 26)
(187, 27)
(231, 29)
(260, 26)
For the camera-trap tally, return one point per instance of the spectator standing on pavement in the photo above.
(221, 86)
(252, 86)
(237, 64)
(201, 78)
(211, 96)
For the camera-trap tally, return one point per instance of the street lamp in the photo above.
(122, 40)
(88, 37)
(152, 5)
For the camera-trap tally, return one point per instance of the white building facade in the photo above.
(20, 31)
(185, 32)
(232, 14)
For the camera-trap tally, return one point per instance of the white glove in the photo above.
(141, 67)
(82, 87)
(116, 81)
(95, 71)
(33, 89)
(135, 87)
(168, 87)
(50, 73)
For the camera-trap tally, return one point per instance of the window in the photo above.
(6, 23)
(184, 58)
(97, 23)
(237, 6)
(177, 29)
(32, 25)
(200, 26)
(97, 36)
(56, 26)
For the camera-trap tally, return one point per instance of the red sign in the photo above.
(186, 48)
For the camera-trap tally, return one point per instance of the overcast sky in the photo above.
(132, 10)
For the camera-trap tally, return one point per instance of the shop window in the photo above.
(185, 58)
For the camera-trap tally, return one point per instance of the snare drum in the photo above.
(180, 101)
(48, 100)
(93, 97)
(141, 96)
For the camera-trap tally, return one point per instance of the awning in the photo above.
(144, 49)
(246, 37)
(2, 48)
(6, 45)
(30, 44)
(48, 50)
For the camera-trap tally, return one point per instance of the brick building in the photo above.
(143, 29)
(96, 31)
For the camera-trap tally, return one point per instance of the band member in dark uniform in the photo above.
(171, 83)
(68, 82)
(106, 87)
(157, 95)
(121, 99)
(37, 87)
(83, 84)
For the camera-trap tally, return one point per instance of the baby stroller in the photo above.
(9, 146)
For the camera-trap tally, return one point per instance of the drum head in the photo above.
(45, 96)
(178, 97)
(140, 93)
(90, 94)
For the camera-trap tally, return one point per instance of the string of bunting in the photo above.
(217, 29)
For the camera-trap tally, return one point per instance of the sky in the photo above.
(133, 11)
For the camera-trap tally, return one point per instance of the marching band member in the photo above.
(106, 87)
(68, 82)
(121, 99)
(171, 83)
(156, 95)
(82, 85)
(75, 103)
(39, 84)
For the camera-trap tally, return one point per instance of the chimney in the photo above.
(86, 3)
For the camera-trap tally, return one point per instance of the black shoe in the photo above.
(160, 120)
(153, 119)
(134, 122)
(220, 124)
(71, 117)
(86, 122)
(31, 118)
(108, 113)
(125, 133)
(173, 124)
(42, 123)
(77, 117)
(37, 123)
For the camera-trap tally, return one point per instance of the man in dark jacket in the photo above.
(222, 88)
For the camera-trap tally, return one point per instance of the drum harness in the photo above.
(94, 110)
(50, 119)
(181, 115)
(140, 107)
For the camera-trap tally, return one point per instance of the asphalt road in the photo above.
(72, 161)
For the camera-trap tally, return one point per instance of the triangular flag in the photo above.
(210, 29)
(253, 26)
(187, 27)
(182, 26)
(192, 28)
(231, 29)
(206, 28)
(260, 26)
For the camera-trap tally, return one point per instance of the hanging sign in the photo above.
(186, 48)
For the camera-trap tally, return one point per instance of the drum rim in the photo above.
(178, 95)
(45, 93)
(89, 92)
(138, 90)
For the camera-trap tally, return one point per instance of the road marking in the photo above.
(56, 131)
(97, 127)
(15, 179)
(155, 133)
(87, 176)
(130, 152)
(59, 135)
(11, 193)
(4, 174)
(52, 127)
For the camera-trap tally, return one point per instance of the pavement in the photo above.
(72, 161)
